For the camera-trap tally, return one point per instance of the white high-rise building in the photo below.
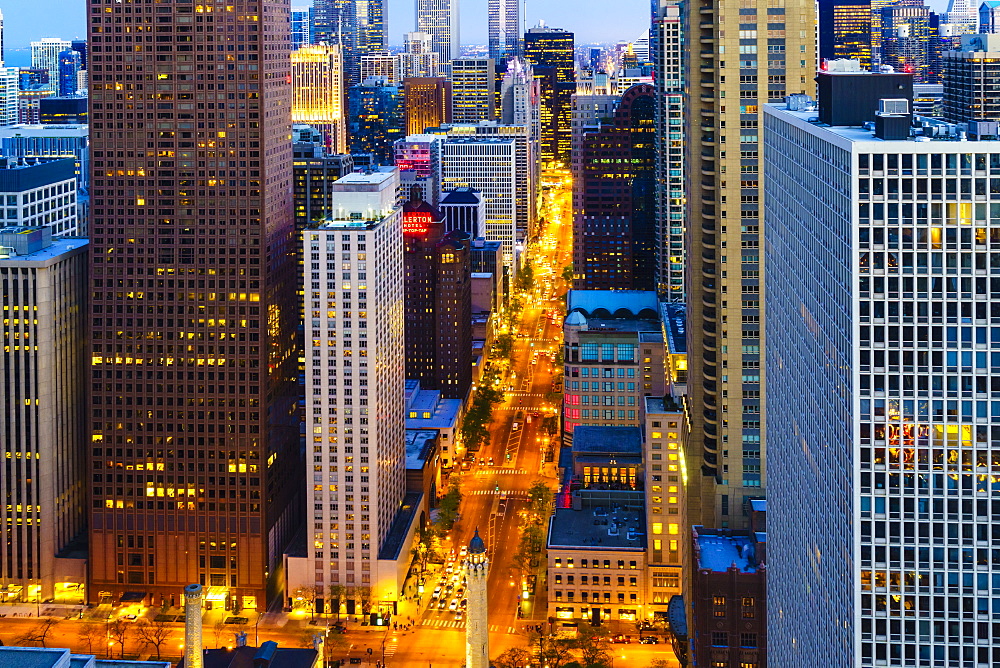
(8, 96)
(382, 65)
(883, 369)
(45, 54)
(504, 25)
(666, 51)
(520, 98)
(43, 194)
(488, 164)
(473, 97)
(439, 19)
(318, 92)
(45, 331)
(355, 408)
(1, 39)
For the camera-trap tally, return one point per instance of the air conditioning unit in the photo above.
(899, 107)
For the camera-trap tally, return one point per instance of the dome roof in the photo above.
(576, 319)
(476, 545)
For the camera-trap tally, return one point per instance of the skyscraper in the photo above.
(45, 55)
(504, 30)
(69, 67)
(845, 30)
(881, 357)
(356, 336)
(301, 27)
(666, 50)
(418, 58)
(472, 96)
(418, 159)
(318, 92)
(193, 383)
(428, 103)
(551, 54)
(42, 435)
(375, 118)
(614, 198)
(439, 19)
(9, 90)
(722, 145)
(972, 80)
(911, 42)
(438, 330)
(373, 25)
(336, 22)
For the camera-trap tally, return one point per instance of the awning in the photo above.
(132, 597)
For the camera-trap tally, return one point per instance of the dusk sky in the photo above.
(27, 20)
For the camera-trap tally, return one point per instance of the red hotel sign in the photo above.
(417, 223)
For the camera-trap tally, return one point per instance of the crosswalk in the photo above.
(526, 408)
(390, 647)
(488, 492)
(501, 471)
(451, 624)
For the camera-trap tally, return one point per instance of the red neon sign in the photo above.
(417, 223)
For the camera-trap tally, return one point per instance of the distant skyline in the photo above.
(26, 21)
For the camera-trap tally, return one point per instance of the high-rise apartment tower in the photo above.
(739, 58)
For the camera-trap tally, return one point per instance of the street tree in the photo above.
(659, 663)
(448, 507)
(89, 633)
(307, 595)
(540, 497)
(120, 631)
(153, 633)
(555, 652)
(38, 633)
(337, 593)
(515, 657)
(364, 598)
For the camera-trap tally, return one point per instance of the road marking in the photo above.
(390, 648)
(484, 492)
(503, 471)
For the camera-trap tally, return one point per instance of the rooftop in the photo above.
(399, 528)
(419, 447)
(675, 325)
(378, 176)
(662, 405)
(51, 657)
(251, 657)
(926, 142)
(593, 439)
(614, 303)
(462, 196)
(59, 246)
(598, 527)
(426, 409)
(716, 552)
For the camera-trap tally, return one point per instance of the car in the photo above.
(491, 461)
(481, 461)
(453, 606)
(650, 640)
(515, 427)
(621, 639)
(463, 552)
(442, 604)
(130, 618)
(519, 415)
(437, 592)
(465, 602)
(458, 616)
(460, 592)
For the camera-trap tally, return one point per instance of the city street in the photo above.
(495, 492)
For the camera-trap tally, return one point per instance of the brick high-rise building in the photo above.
(193, 309)
(438, 302)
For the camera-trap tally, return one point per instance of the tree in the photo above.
(308, 596)
(153, 633)
(595, 650)
(218, 630)
(364, 598)
(659, 663)
(337, 593)
(525, 278)
(515, 657)
(37, 633)
(120, 630)
(504, 346)
(555, 652)
(89, 633)
(448, 507)
(540, 497)
(567, 273)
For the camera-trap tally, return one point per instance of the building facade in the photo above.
(439, 19)
(428, 103)
(614, 357)
(45, 55)
(44, 301)
(216, 393)
(614, 198)
(40, 195)
(666, 49)
(777, 57)
(375, 119)
(896, 441)
(438, 302)
(418, 159)
(473, 98)
(551, 54)
(504, 25)
(318, 92)
(355, 333)
(972, 80)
